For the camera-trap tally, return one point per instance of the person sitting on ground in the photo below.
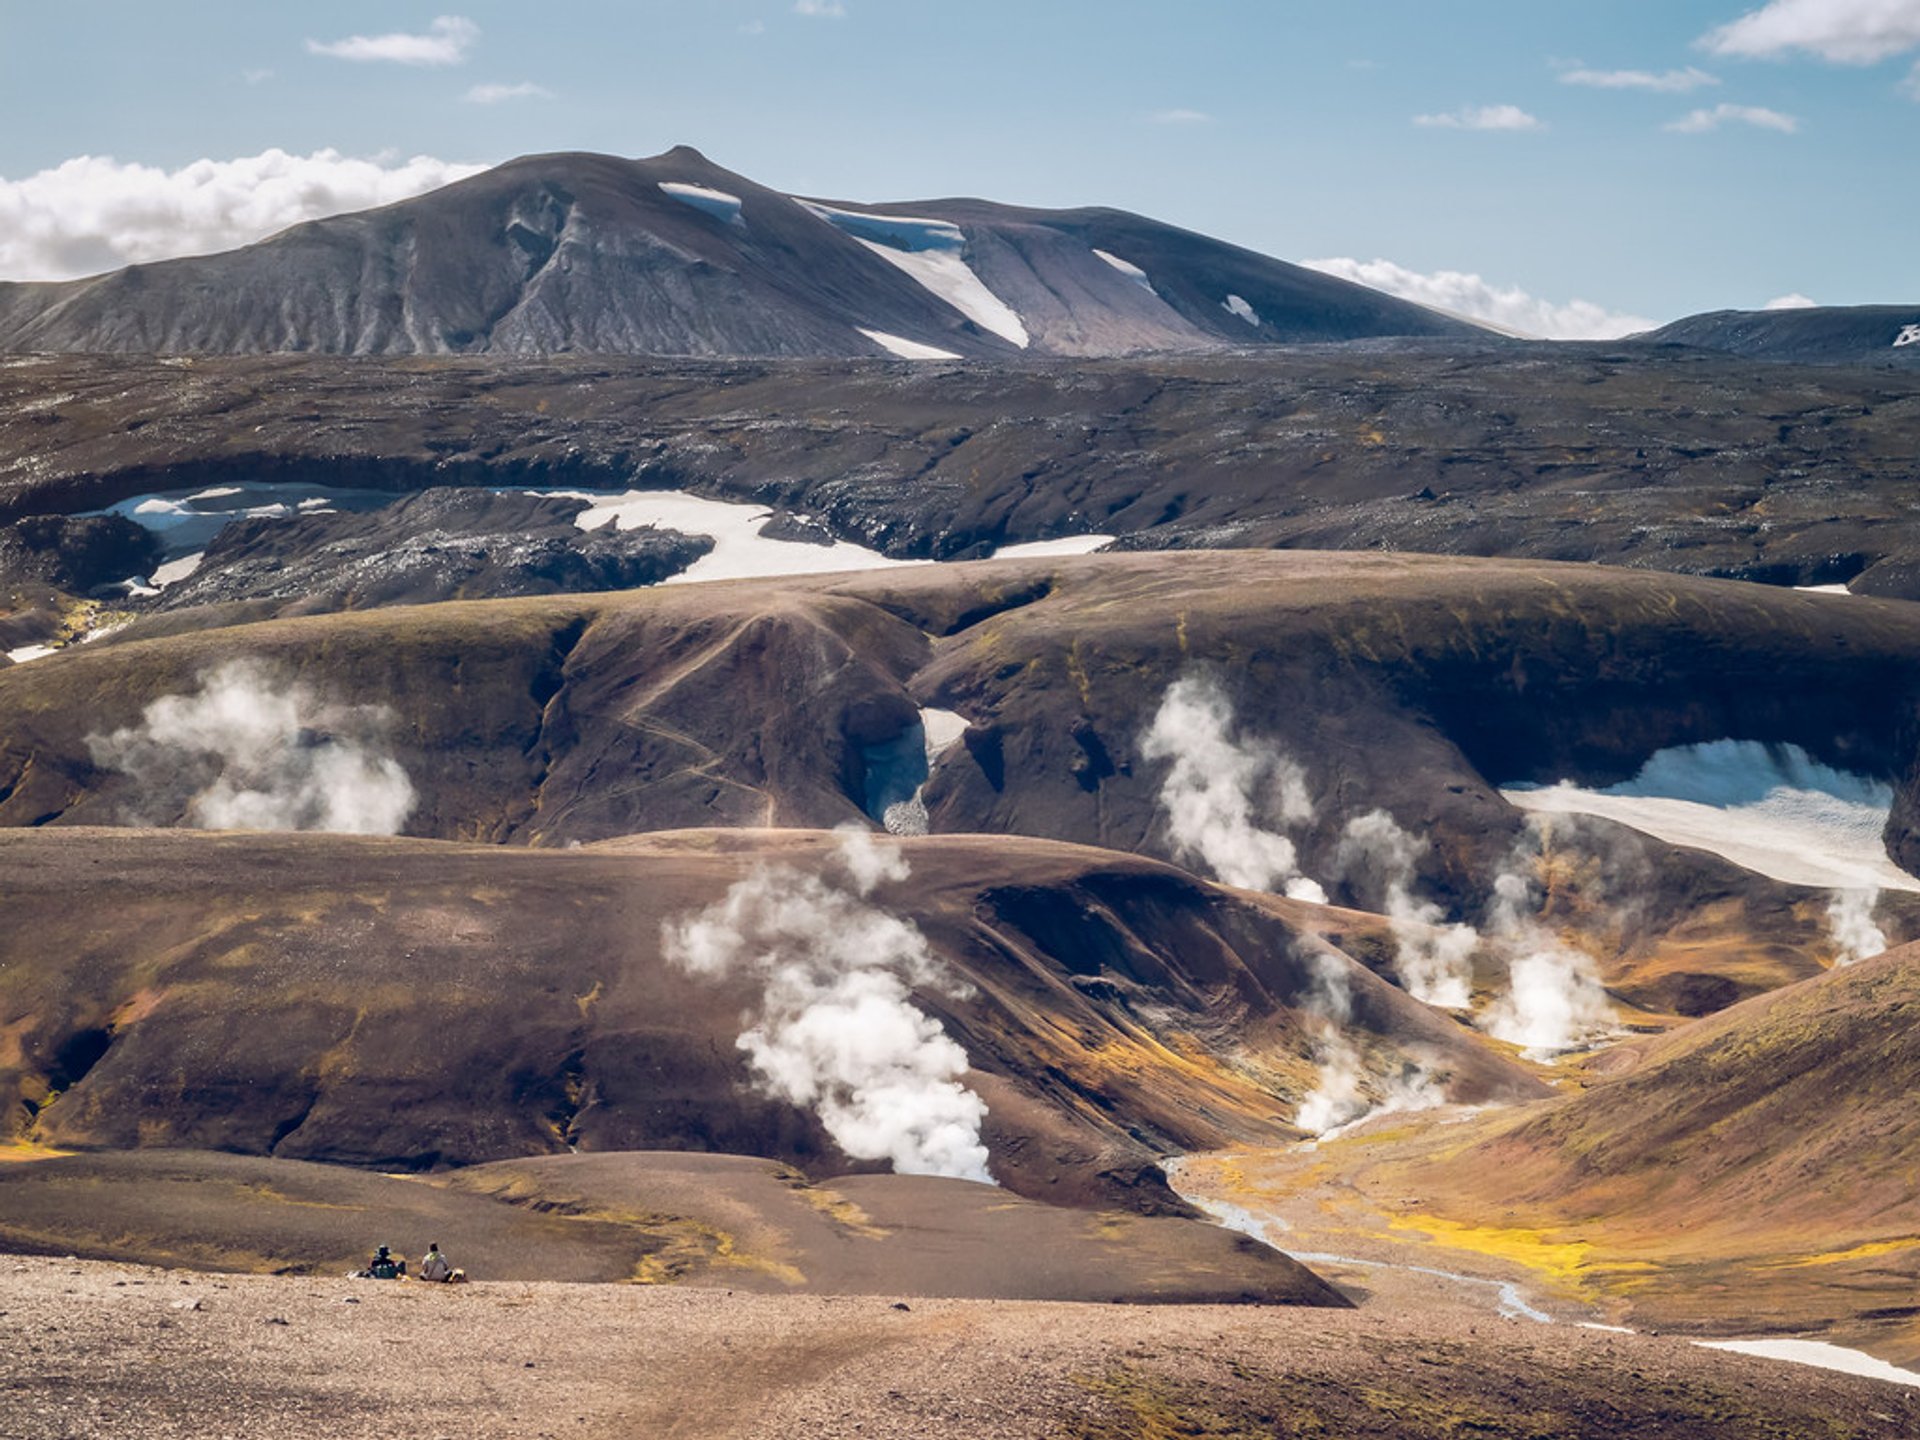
(435, 1266)
(385, 1265)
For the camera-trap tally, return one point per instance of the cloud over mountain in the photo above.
(1508, 307)
(93, 213)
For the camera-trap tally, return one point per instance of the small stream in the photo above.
(1509, 1299)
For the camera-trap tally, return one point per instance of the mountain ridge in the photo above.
(675, 255)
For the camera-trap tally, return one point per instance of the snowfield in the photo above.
(930, 252)
(906, 349)
(717, 203)
(1132, 271)
(1234, 305)
(1771, 809)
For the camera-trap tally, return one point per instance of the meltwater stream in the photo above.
(1509, 1299)
(1512, 1303)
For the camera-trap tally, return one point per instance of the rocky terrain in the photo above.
(152, 1354)
(1652, 458)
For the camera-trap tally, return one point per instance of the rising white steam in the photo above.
(1343, 1093)
(252, 750)
(1850, 925)
(1222, 792)
(836, 1030)
(1554, 1001)
(1432, 958)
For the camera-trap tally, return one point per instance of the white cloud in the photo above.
(447, 42)
(1699, 122)
(94, 213)
(1509, 308)
(820, 9)
(493, 94)
(1180, 117)
(1853, 32)
(256, 77)
(1795, 301)
(753, 27)
(1668, 81)
(1482, 117)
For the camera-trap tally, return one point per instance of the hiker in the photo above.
(385, 1265)
(435, 1266)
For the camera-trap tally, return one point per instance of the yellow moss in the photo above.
(691, 1247)
(25, 1151)
(1562, 1261)
(587, 1001)
(1840, 1257)
(842, 1212)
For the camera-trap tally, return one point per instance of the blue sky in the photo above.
(1436, 136)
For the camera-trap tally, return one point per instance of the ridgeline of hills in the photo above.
(674, 255)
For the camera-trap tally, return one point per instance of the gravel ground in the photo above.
(92, 1349)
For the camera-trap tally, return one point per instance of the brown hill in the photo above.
(1412, 684)
(412, 1004)
(715, 1221)
(1751, 1172)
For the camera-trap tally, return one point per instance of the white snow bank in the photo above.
(1065, 545)
(740, 551)
(1818, 1353)
(943, 729)
(930, 252)
(717, 203)
(170, 573)
(1234, 305)
(29, 652)
(1823, 589)
(1132, 271)
(904, 348)
(1908, 336)
(1771, 809)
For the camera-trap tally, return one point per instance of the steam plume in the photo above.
(1220, 790)
(1554, 1001)
(836, 1030)
(1432, 959)
(1341, 1092)
(251, 750)
(1850, 924)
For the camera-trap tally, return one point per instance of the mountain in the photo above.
(674, 255)
(1817, 335)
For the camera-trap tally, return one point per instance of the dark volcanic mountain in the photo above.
(1823, 335)
(675, 256)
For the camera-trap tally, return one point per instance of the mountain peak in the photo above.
(675, 255)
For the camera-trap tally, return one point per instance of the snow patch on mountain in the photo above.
(931, 253)
(1908, 336)
(717, 203)
(906, 349)
(1132, 271)
(1234, 305)
(1042, 549)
